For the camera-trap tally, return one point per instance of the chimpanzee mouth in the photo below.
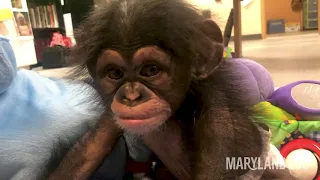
(126, 114)
(142, 118)
(139, 117)
(142, 124)
(137, 122)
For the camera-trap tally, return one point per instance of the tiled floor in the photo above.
(287, 58)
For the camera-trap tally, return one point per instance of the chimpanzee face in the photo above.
(140, 84)
(144, 55)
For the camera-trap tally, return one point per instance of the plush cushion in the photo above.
(250, 81)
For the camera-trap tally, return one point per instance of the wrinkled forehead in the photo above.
(128, 38)
(133, 27)
(147, 53)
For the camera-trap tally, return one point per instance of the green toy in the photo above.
(283, 126)
(227, 53)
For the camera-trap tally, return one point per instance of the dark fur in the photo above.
(214, 121)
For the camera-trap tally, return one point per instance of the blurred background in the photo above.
(283, 35)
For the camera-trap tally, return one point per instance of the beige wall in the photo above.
(251, 14)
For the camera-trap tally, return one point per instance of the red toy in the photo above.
(302, 144)
(60, 40)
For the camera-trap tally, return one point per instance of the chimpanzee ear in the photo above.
(212, 30)
(213, 33)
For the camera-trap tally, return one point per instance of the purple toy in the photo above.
(301, 99)
(248, 79)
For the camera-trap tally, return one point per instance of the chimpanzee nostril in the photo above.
(132, 94)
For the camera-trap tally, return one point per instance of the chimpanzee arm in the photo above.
(220, 131)
(89, 152)
(223, 130)
(212, 135)
(167, 143)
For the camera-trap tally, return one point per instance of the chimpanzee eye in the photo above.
(114, 74)
(150, 70)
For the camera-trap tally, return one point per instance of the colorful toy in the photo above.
(301, 98)
(227, 53)
(307, 167)
(284, 127)
(292, 113)
(302, 158)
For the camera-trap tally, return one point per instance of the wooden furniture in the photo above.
(237, 28)
(318, 17)
(43, 33)
(310, 14)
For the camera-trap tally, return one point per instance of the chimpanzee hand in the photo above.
(89, 152)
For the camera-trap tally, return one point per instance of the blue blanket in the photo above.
(38, 116)
(7, 64)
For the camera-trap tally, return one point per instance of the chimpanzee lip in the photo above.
(138, 117)
(142, 123)
(141, 112)
(133, 118)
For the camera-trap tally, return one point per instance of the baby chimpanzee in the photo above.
(153, 63)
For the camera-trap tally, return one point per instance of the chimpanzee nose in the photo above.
(133, 94)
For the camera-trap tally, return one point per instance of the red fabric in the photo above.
(138, 167)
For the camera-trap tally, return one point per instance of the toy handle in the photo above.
(228, 29)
